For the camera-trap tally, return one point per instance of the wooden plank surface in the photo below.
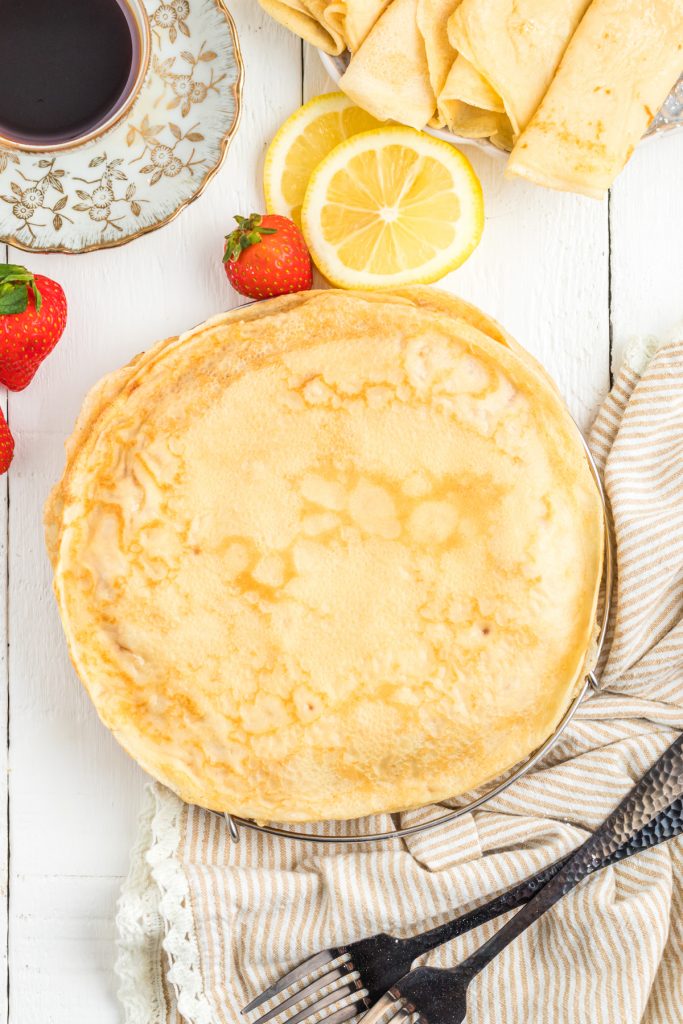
(4, 719)
(543, 268)
(74, 794)
(646, 231)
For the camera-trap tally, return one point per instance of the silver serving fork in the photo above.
(431, 995)
(372, 972)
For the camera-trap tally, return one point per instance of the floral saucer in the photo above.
(141, 173)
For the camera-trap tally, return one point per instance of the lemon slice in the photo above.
(391, 207)
(302, 142)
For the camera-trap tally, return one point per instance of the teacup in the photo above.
(69, 70)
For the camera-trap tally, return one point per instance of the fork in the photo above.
(432, 995)
(360, 973)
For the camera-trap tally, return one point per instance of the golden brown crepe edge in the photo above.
(424, 298)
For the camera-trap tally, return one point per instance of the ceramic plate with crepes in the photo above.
(333, 554)
(569, 86)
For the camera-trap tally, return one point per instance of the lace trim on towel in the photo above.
(640, 351)
(154, 911)
(139, 930)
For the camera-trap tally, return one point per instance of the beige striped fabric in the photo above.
(204, 925)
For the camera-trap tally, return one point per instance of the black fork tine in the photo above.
(302, 971)
(302, 993)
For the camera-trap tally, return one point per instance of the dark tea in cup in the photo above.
(68, 68)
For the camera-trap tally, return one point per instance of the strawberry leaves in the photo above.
(14, 285)
(38, 312)
(267, 256)
(249, 231)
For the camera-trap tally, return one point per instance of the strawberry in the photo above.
(267, 255)
(6, 444)
(32, 320)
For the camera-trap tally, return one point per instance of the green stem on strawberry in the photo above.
(15, 282)
(249, 231)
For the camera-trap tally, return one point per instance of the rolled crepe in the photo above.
(516, 45)
(306, 20)
(432, 21)
(359, 18)
(502, 139)
(468, 104)
(623, 61)
(389, 75)
(464, 83)
(475, 123)
(331, 15)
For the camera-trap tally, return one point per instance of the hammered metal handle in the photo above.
(657, 790)
(667, 825)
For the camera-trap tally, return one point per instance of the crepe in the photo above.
(389, 74)
(468, 104)
(332, 555)
(360, 16)
(474, 123)
(617, 72)
(464, 83)
(309, 20)
(331, 15)
(432, 20)
(503, 137)
(516, 46)
(331, 25)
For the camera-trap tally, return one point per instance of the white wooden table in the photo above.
(572, 279)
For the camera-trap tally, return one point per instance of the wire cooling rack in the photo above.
(235, 824)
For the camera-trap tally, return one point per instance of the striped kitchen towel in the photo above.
(203, 925)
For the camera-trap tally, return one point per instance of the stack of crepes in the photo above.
(570, 86)
(334, 554)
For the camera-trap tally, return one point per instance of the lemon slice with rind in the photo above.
(300, 144)
(392, 207)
